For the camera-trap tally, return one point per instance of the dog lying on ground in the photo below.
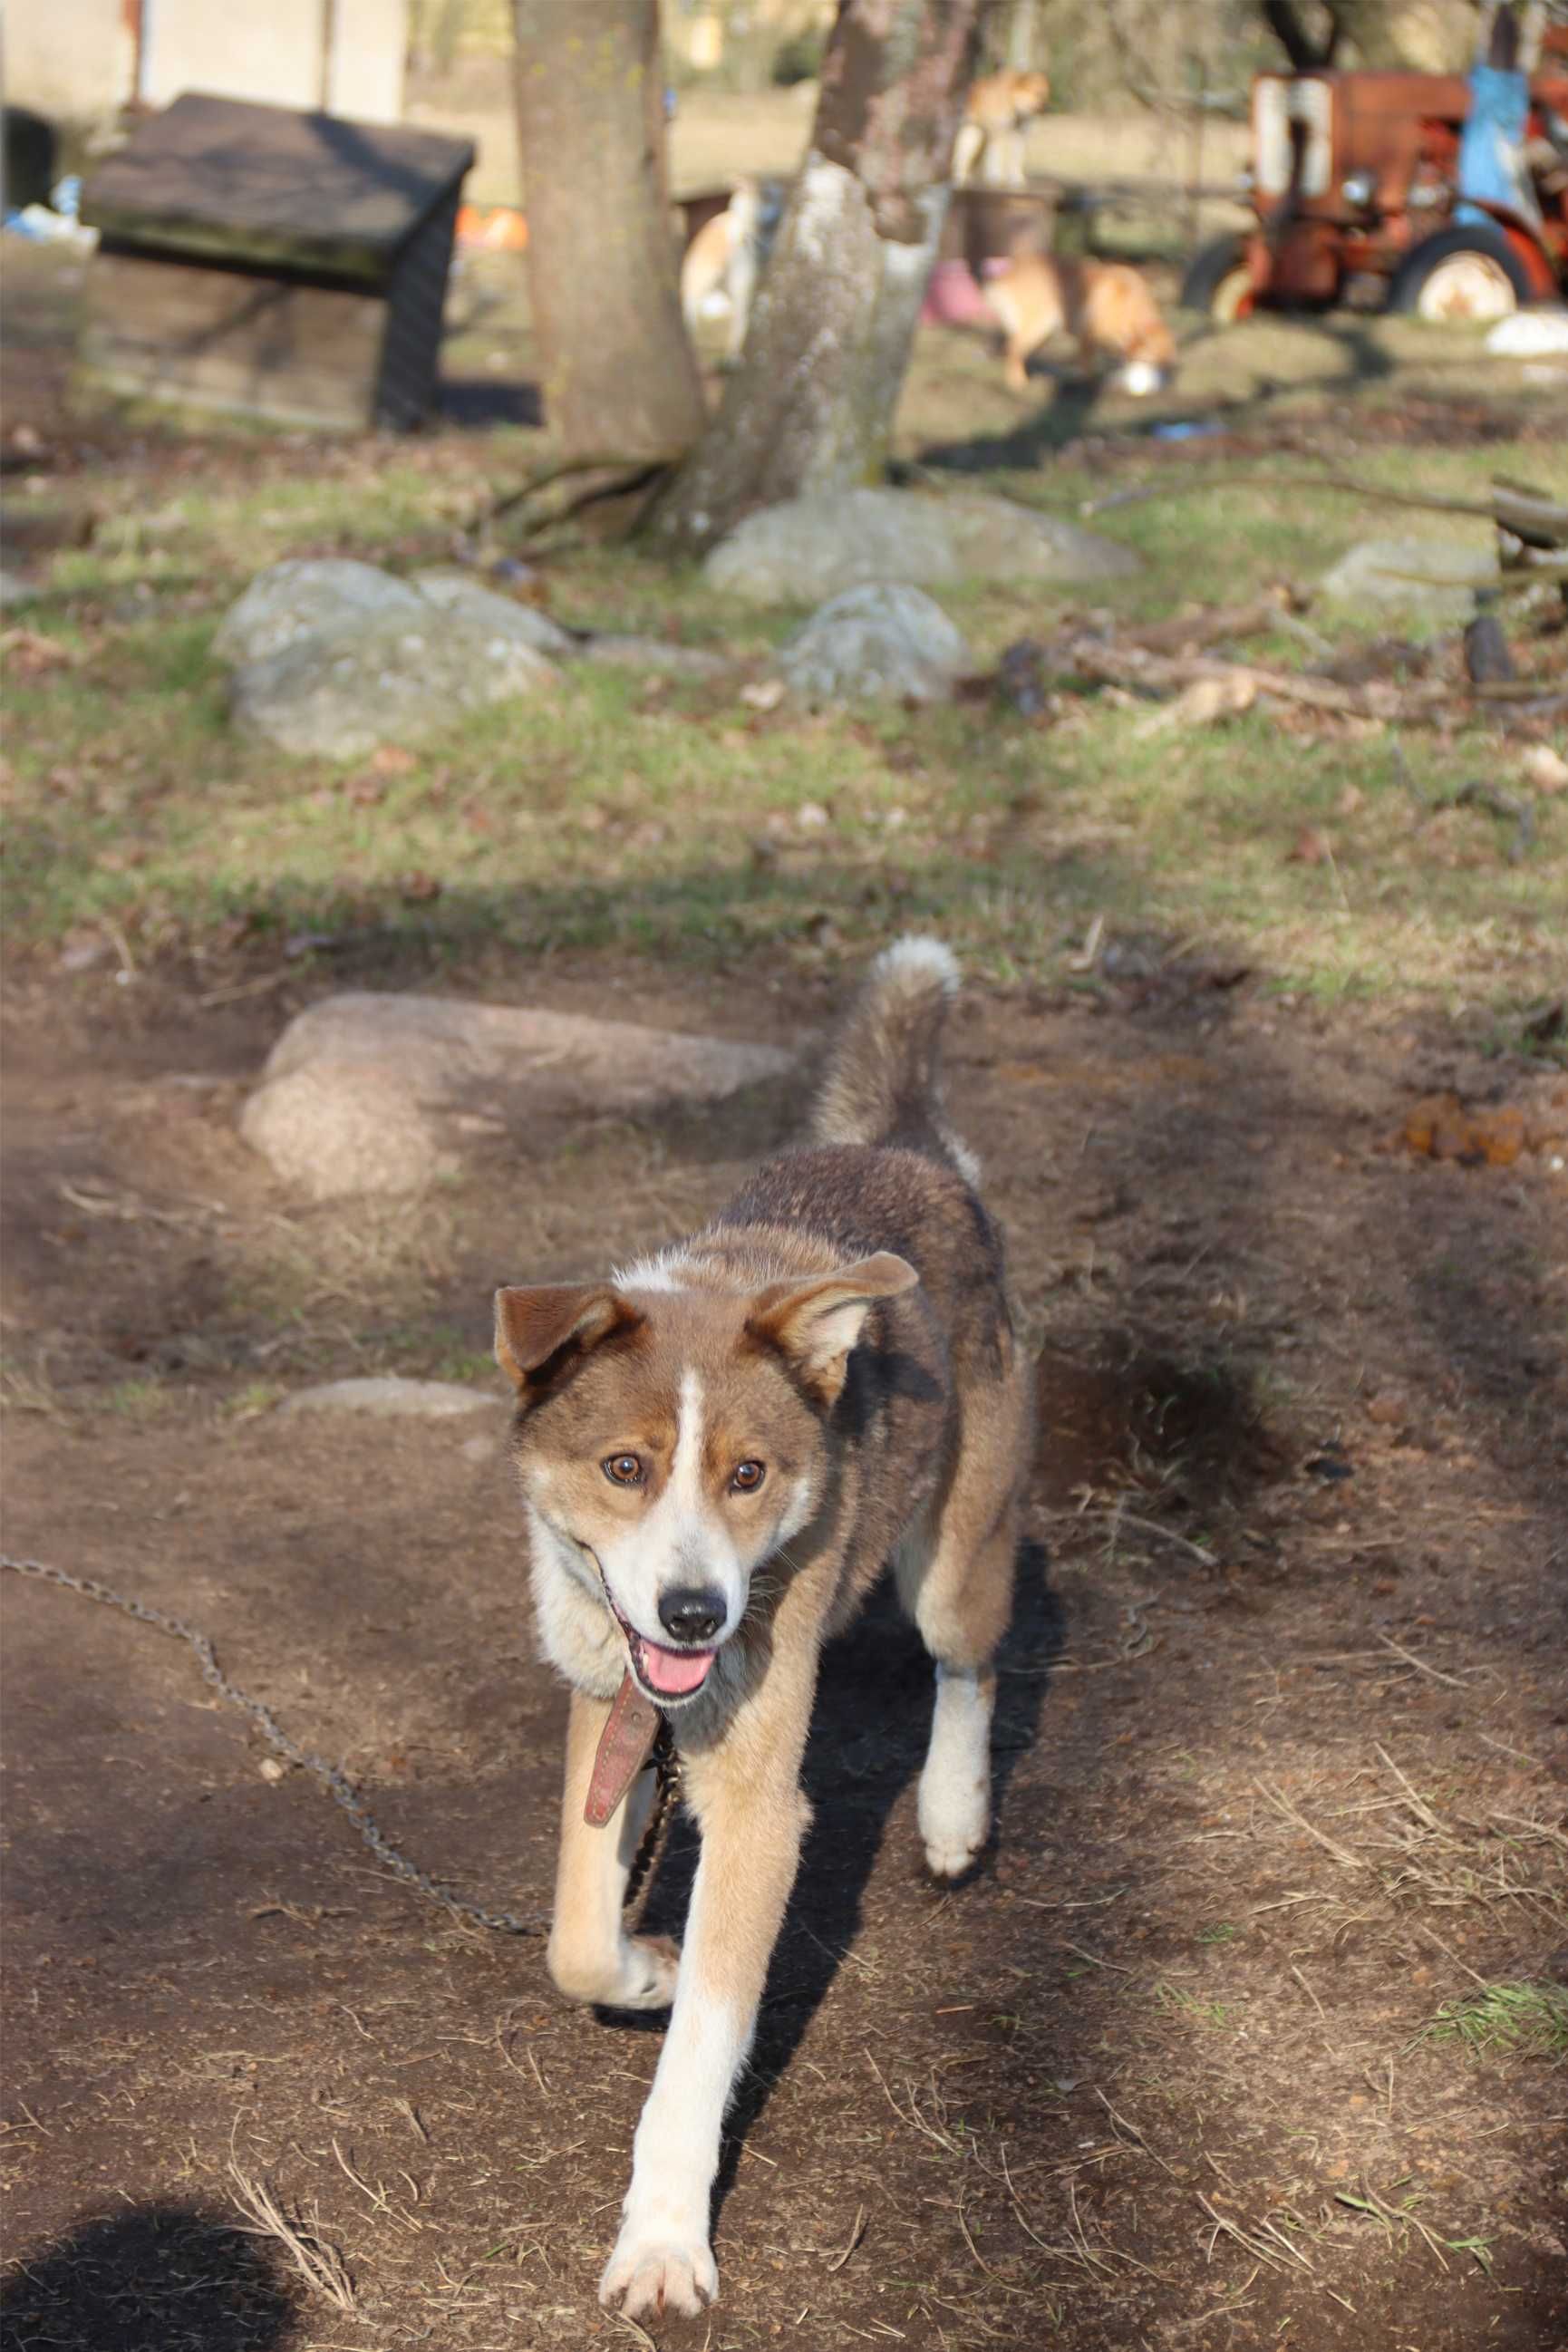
(1104, 304)
(721, 267)
(990, 146)
(720, 1448)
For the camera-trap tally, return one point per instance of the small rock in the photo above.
(343, 1128)
(309, 598)
(813, 547)
(454, 591)
(366, 1092)
(399, 678)
(1530, 335)
(1429, 578)
(387, 1396)
(875, 644)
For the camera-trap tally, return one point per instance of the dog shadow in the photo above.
(868, 1736)
(149, 2280)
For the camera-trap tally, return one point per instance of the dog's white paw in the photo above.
(952, 1861)
(954, 1822)
(648, 1972)
(639, 1972)
(658, 2271)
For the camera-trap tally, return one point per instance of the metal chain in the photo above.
(336, 1783)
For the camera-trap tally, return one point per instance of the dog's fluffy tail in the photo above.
(883, 1079)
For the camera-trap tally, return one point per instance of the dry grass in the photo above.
(311, 2255)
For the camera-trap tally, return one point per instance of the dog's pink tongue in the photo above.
(676, 1672)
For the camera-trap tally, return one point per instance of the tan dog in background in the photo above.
(991, 139)
(721, 267)
(1105, 304)
(720, 1448)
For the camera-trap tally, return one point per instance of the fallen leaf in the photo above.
(1312, 848)
(1438, 1127)
(34, 653)
(1546, 768)
(1206, 701)
(418, 886)
(392, 760)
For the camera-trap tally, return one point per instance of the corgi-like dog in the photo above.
(990, 146)
(1104, 304)
(721, 1447)
(721, 267)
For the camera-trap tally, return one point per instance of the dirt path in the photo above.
(1281, 1747)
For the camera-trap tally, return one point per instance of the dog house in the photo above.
(273, 263)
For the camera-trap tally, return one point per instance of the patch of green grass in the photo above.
(1510, 2021)
(1215, 2013)
(671, 819)
(136, 1400)
(255, 1397)
(1221, 1932)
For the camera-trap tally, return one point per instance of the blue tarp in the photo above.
(1491, 147)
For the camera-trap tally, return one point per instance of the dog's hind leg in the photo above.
(592, 1957)
(955, 1577)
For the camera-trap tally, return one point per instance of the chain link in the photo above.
(336, 1783)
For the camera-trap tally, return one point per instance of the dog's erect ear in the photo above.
(815, 1323)
(535, 1327)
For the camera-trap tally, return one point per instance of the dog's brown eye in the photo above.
(748, 1477)
(624, 1469)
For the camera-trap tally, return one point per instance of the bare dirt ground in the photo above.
(1280, 1758)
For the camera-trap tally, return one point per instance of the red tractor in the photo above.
(1354, 181)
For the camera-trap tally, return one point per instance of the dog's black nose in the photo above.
(691, 1612)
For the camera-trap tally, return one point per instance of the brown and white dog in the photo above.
(990, 146)
(1104, 304)
(721, 267)
(721, 1447)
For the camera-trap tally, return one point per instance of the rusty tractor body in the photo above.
(1354, 182)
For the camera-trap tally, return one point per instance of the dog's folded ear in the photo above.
(817, 1323)
(539, 1330)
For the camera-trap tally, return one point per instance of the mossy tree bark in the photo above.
(810, 407)
(618, 372)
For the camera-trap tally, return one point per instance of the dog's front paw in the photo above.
(658, 2269)
(637, 1972)
(954, 1824)
(649, 1965)
(952, 1861)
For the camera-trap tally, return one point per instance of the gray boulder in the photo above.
(395, 679)
(454, 591)
(873, 644)
(366, 1092)
(815, 547)
(309, 598)
(1422, 577)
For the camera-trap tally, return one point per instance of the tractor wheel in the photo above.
(1461, 275)
(1218, 282)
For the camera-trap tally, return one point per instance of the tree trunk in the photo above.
(810, 408)
(618, 374)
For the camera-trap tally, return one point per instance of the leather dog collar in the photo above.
(625, 1743)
